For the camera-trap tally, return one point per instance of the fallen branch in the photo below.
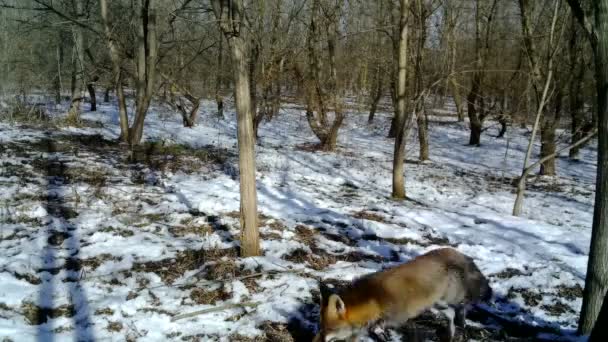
(216, 309)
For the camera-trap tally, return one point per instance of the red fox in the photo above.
(442, 278)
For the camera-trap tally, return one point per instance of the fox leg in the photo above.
(450, 313)
(460, 318)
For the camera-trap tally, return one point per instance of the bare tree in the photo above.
(146, 56)
(476, 107)
(320, 102)
(78, 70)
(230, 15)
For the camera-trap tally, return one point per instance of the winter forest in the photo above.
(303, 170)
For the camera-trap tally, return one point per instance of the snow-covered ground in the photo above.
(100, 244)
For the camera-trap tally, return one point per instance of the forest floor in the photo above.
(103, 244)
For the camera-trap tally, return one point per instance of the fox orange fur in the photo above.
(440, 278)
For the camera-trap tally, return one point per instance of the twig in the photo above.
(216, 309)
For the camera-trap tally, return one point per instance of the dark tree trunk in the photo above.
(475, 122)
(377, 94)
(596, 282)
(219, 98)
(600, 329)
(423, 136)
(106, 95)
(502, 120)
(392, 131)
(92, 96)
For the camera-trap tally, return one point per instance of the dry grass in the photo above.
(305, 235)
(36, 315)
(191, 228)
(201, 296)
(172, 268)
(370, 216)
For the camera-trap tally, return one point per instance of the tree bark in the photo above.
(377, 94)
(92, 96)
(548, 136)
(229, 15)
(78, 72)
(401, 117)
(57, 79)
(420, 38)
(219, 98)
(600, 328)
(596, 282)
(115, 58)
(146, 67)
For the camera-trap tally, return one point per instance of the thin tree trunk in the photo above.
(420, 38)
(229, 14)
(219, 98)
(78, 72)
(574, 96)
(377, 94)
(122, 104)
(92, 96)
(106, 94)
(548, 136)
(60, 53)
(401, 115)
(250, 245)
(122, 110)
(146, 68)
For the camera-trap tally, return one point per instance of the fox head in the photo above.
(334, 325)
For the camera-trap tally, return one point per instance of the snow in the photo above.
(137, 216)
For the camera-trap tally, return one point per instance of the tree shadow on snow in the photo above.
(60, 259)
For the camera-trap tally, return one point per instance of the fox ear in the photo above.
(336, 306)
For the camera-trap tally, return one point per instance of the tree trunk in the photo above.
(120, 95)
(574, 93)
(475, 123)
(548, 136)
(377, 94)
(229, 15)
(78, 72)
(122, 109)
(423, 135)
(475, 108)
(57, 83)
(146, 68)
(600, 328)
(258, 115)
(219, 99)
(420, 38)
(250, 245)
(392, 131)
(401, 115)
(92, 96)
(106, 94)
(596, 282)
